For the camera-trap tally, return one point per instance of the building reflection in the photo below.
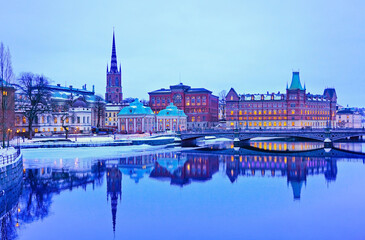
(295, 168)
(33, 195)
(182, 168)
(36, 191)
(114, 190)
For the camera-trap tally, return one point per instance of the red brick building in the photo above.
(294, 109)
(7, 111)
(199, 104)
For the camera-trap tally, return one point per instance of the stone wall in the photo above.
(11, 178)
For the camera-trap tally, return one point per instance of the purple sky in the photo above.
(252, 46)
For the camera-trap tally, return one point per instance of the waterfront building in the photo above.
(136, 118)
(111, 115)
(7, 113)
(84, 111)
(199, 104)
(171, 118)
(348, 118)
(114, 92)
(294, 109)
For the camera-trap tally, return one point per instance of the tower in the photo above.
(113, 92)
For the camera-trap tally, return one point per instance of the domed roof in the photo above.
(171, 111)
(136, 108)
(79, 104)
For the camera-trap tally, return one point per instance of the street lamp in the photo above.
(9, 133)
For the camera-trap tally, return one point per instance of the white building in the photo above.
(348, 118)
(171, 118)
(136, 118)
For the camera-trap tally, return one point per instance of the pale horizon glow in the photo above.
(250, 46)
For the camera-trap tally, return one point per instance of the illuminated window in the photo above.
(292, 111)
(55, 120)
(67, 120)
(260, 124)
(36, 130)
(24, 120)
(255, 112)
(231, 97)
(187, 101)
(204, 100)
(240, 112)
(250, 124)
(274, 124)
(265, 124)
(232, 123)
(293, 124)
(193, 119)
(55, 129)
(269, 124)
(284, 123)
(231, 112)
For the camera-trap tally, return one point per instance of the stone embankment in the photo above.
(11, 177)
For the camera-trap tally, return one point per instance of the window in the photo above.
(193, 101)
(193, 119)
(198, 101)
(187, 101)
(78, 119)
(55, 120)
(24, 120)
(204, 100)
(231, 112)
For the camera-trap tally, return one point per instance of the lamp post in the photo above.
(9, 133)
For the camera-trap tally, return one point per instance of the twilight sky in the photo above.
(252, 46)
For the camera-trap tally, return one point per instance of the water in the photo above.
(173, 194)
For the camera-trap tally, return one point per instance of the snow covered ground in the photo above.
(84, 156)
(7, 151)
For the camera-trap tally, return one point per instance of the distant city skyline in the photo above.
(251, 46)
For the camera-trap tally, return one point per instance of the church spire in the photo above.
(114, 64)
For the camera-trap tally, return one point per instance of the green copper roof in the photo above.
(136, 108)
(171, 111)
(295, 82)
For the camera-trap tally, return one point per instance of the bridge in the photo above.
(247, 134)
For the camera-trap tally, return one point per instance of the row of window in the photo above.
(274, 112)
(55, 120)
(279, 124)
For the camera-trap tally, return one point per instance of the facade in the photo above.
(199, 104)
(113, 92)
(136, 118)
(348, 118)
(7, 113)
(111, 115)
(294, 109)
(171, 118)
(80, 116)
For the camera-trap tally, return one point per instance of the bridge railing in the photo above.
(9, 159)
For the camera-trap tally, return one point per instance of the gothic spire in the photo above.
(114, 64)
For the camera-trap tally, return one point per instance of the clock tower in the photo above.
(113, 92)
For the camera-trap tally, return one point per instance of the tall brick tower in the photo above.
(114, 79)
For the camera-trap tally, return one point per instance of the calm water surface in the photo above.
(173, 194)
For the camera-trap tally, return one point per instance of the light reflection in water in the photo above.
(180, 169)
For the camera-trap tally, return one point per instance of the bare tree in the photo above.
(35, 97)
(62, 109)
(99, 109)
(222, 103)
(6, 77)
